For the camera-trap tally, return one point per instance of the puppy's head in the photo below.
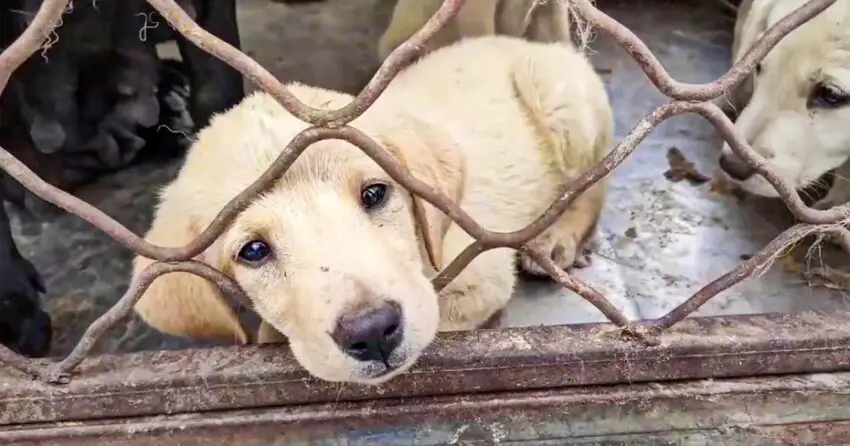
(798, 114)
(335, 256)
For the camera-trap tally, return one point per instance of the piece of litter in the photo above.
(826, 277)
(682, 169)
(723, 187)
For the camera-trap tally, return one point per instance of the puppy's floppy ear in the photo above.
(183, 304)
(750, 25)
(433, 158)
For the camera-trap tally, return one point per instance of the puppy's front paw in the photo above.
(563, 247)
(564, 253)
(586, 250)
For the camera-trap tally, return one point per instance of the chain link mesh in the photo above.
(684, 98)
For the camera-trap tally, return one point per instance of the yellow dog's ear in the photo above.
(183, 304)
(751, 22)
(432, 157)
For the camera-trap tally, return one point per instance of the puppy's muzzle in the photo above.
(736, 168)
(371, 334)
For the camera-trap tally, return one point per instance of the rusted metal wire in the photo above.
(209, 380)
(395, 62)
(693, 92)
(59, 372)
(34, 37)
(686, 98)
(755, 265)
(780, 410)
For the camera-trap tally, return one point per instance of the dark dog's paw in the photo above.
(30, 334)
(174, 131)
(141, 124)
(24, 326)
(173, 93)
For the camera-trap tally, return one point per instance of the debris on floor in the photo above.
(723, 187)
(682, 169)
(817, 276)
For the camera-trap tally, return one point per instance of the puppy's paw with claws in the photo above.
(563, 251)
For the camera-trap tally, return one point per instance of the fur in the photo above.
(538, 20)
(24, 325)
(779, 109)
(499, 124)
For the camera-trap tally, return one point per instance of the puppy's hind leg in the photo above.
(566, 102)
(570, 240)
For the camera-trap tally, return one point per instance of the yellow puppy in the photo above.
(795, 108)
(538, 20)
(337, 257)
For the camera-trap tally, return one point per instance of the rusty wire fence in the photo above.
(552, 348)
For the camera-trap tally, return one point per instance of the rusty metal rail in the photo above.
(798, 410)
(546, 357)
(516, 359)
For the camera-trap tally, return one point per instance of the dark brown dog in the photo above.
(84, 101)
(98, 100)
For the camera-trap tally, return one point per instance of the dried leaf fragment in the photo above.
(682, 169)
(722, 186)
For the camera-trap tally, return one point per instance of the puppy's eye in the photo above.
(254, 251)
(373, 195)
(828, 96)
(758, 69)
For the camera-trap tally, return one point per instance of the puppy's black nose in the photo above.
(372, 334)
(737, 168)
